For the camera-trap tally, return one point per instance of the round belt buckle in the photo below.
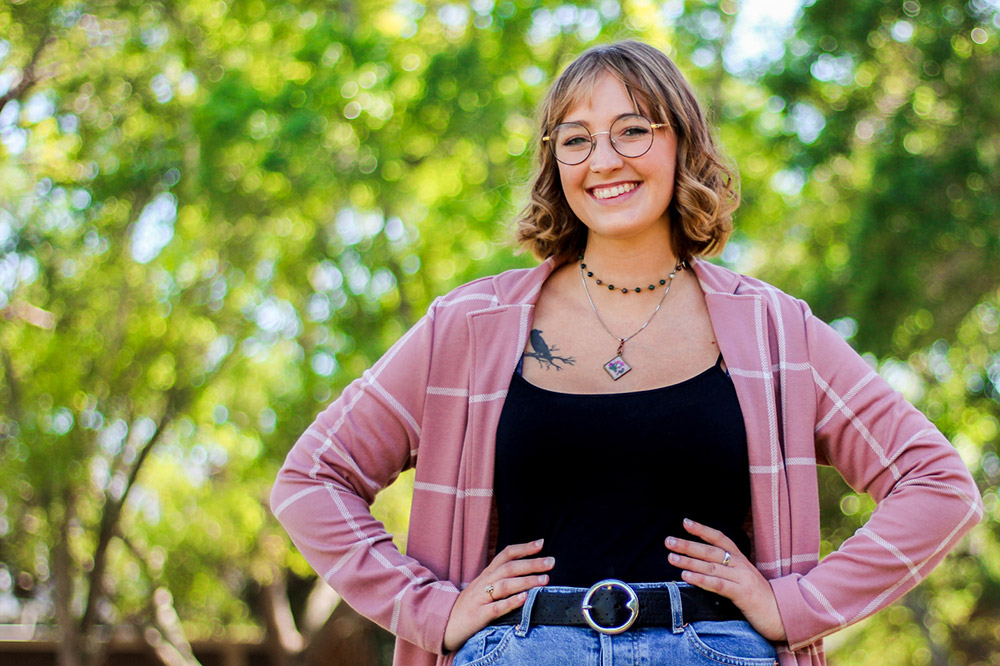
(632, 604)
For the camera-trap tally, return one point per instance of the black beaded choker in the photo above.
(583, 267)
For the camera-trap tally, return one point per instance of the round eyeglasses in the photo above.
(631, 136)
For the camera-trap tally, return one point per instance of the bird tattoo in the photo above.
(544, 354)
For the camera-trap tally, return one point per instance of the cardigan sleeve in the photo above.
(883, 446)
(324, 490)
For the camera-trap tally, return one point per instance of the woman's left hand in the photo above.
(718, 566)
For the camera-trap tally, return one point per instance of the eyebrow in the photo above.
(616, 119)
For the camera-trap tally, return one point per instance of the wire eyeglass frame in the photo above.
(550, 138)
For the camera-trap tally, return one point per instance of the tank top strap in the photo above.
(718, 364)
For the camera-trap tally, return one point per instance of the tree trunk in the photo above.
(347, 639)
(283, 640)
(71, 646)
(917, 603)
(166, 635)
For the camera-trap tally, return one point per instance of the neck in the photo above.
(621, 261)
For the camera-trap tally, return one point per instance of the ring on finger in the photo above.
(726, 559)
(489, 591)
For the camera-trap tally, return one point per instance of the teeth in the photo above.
(617, 190)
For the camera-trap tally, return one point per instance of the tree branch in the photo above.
(283, 639)
(164, 651)
(346, 639)
(69, 646)
(320, 604)
(12, 386)
(164, 634)
(177, 400)
(112, 516)
(33, 315)
(28, 76)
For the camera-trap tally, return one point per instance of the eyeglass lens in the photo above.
(572, 143)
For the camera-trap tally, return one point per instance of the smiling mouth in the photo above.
(614, 191)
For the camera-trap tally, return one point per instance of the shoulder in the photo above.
(518, 286)
(719, 280)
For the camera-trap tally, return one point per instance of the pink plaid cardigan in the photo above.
(434, 400)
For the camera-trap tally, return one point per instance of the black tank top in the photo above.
(606, 478)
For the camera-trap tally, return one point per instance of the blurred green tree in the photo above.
(890, 128)
(890, 120)
(214, 216)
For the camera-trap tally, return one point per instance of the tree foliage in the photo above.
(215, 215)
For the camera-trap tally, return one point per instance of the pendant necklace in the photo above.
(617, 367)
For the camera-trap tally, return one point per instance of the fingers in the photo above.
(504, 606)
(714, 551)
(501, 587)
(511, 571)
(509, 577)
(713, 583)
(717, 565)
(472, 612)
(524, 567)
(709, 535)
(508, 587)
(716, 570)
(703, 552)
(515, 551)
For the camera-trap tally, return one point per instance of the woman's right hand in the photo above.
(509, 576)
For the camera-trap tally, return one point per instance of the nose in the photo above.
(604, 157)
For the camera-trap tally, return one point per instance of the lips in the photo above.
(609, 192)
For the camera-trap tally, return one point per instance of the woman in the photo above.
(623, 411)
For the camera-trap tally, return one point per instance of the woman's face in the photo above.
(619, 197)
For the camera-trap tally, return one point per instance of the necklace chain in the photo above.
(617, 366)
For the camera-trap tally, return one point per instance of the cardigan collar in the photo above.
(715, 279)
(522, 287)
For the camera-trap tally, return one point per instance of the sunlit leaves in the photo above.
(215, 215)
(898, 89)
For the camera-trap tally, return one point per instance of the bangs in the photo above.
(576, 87)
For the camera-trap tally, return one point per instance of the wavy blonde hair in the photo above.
(706, 189)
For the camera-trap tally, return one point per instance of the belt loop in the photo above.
(521, 630)
(676, 608)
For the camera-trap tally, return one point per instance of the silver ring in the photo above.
(489, 591)
(725, 560)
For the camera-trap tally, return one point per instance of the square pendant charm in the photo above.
(617, 367)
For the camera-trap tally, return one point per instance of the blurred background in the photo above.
(215, 214)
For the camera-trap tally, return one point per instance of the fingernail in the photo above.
(671, 541)
(673, 557)
(538, 544)
(688, 522)
(543, 579)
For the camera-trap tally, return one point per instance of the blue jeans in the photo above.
(732, 643)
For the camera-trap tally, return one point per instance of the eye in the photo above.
(575, 141)
(632, 128)
(572, 136)
(634, 131)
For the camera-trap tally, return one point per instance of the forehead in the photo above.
(602, 94)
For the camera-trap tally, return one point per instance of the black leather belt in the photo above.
(612, 606)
